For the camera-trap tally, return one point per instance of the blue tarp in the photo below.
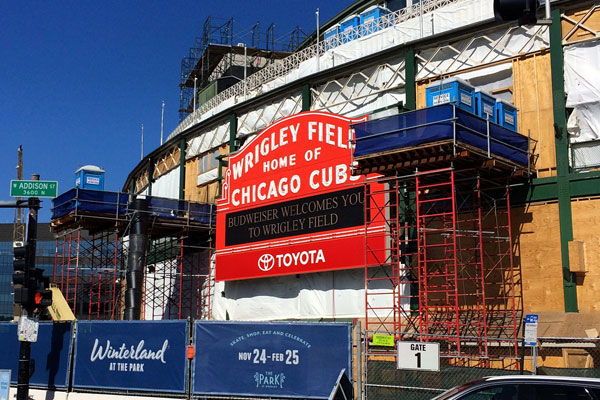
(116, 204)
(438, 123)
(50, 352)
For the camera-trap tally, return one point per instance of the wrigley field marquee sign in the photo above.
(290, 204)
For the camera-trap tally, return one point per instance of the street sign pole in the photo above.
(24, 371)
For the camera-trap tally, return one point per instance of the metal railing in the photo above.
(282, 67)
(552, 356)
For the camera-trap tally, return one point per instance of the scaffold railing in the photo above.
(92, 244)
(284, 66)
(97, 204)
(448, 270)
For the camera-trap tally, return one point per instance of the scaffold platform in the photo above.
(435, 137)
(89, 208)
(92, 231)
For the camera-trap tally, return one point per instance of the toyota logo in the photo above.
(266, 262)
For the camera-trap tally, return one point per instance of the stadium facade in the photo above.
(329, 209)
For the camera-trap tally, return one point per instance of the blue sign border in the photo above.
(324, 364)
(129, 329)
(51, 352)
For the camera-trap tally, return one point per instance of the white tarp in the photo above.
(207, 141)
(163, 281)
(167, 185)
(208, 176)
(362, 92)
(261, 116)
(338, 294)
(582, 85)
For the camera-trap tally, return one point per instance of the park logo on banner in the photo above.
(290, 204)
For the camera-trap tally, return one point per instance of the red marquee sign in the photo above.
(289, 203)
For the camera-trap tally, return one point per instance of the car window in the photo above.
(595, 391)
(496, 392)
(553, 392)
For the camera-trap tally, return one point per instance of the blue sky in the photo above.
(79, 78)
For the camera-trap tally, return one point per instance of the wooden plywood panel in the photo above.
(533, 99)
(191, 179)
(586, 220)
(538, 253)
(582, 24)
(421, 98)
(205, 193)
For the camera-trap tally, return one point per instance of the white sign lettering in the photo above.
(124, 353)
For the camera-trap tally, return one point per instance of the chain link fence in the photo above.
(553, 356)
(568, 357)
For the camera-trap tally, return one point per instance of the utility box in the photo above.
(369, 17)
(506, 115)
(453, 90)
(577, 256)
(331, 37)
(485, 105)
(89, 177)
(348, 29)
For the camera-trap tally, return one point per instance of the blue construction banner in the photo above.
(131, 355)
(270, 359)
(50, 352)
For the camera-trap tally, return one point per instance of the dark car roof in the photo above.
(541, 378)
(522, 379)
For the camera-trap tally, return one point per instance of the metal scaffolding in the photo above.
(87, 269)
(92, 247)
(447, 264)
(178, 280)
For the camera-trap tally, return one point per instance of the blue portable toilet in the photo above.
(453, 90)
(485, 105)
(89, 177)
(506, 115)
(331, 37)
(348, 29)
(368, 19)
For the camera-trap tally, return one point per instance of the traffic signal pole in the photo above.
(24, 371)
(31, 287)
(25, 363)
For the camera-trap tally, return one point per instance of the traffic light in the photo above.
(40, 287)
(21, 264)
(43, 298)
(523, 11)
(31, 287)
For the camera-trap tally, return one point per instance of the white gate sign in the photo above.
(424, 356)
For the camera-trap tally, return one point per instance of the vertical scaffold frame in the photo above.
(87, 269)
(448, 274)
(177, 283)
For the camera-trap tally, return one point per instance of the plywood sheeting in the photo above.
(537, 251)
(532, 95)
(586, 220)
(421, 98)
(533, 98)
(205, 193)
(582, 24)
(191, 177)
(537, 231)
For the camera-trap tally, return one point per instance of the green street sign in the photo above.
(33, 188)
